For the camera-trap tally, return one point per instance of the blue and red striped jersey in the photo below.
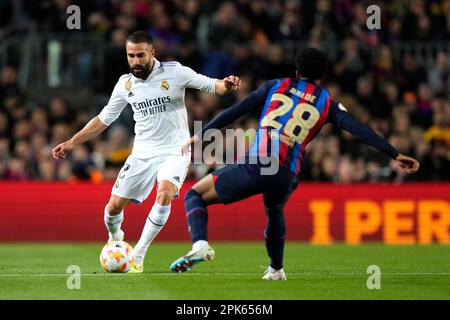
(294, 112)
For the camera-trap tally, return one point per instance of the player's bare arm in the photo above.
(227, 85)
(92, 129)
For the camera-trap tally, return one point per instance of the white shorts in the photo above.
(138, 176)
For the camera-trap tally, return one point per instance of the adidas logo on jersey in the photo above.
(176, 178)
(130, 94)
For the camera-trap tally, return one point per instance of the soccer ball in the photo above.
(117, 256)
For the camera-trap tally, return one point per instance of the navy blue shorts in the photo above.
(240, 181)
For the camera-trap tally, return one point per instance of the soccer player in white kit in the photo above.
(155, 91)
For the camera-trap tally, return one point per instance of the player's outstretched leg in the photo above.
(197, 217)
(275, 236)
(156, 220)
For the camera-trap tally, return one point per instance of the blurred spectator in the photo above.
(290, 27)
(394, 32)
(164, 34)
(279, 66)
(410, 22)
(39, 121)
(370, 99)
(440, 130)
(57, 15)
(385, 67)
(411, 74)
(435, 166)
(424, 104)
(60, 132)
(118, 145)
(359, 28)
(99, 23)
(225, 25)
(439, 74)
(82, 164)
(8, 82)
(59, 111)
(350, 65)
(115, 60)
(4, 125)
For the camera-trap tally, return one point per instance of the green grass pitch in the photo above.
(38, 271)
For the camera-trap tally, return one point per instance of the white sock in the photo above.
(199, 244)
(274, 270)
(155, 222)
(113, 223)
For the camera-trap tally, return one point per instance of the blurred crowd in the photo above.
(403, 99)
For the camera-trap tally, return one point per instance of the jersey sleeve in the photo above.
(115, 105)
(188, 78)
(339, 116)
(253, 101)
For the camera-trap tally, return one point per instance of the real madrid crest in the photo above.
(165, 85)
(128, 85)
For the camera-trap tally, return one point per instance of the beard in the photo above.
(141, 71)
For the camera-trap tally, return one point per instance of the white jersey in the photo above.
(158, 107)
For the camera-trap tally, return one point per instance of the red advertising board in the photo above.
(317, 213)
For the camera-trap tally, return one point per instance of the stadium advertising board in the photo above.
(316, 213)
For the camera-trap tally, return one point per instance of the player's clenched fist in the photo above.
(60, 151)
(232, 83)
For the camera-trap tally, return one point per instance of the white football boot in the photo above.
(201, 251)
(272, 274)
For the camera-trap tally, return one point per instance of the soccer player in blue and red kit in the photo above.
(293, 112)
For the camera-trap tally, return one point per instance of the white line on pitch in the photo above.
(226, 274)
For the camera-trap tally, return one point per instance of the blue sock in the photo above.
(197, 215)
(275, 237)
(275, 250)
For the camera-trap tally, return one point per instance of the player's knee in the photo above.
(114, 208)
(164, 196)
(193, 199)
(190, 195)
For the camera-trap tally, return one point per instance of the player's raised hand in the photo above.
(232, 83)
(186, 148)
(410, 165)
(61, 150)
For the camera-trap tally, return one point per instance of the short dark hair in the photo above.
(311, 63)
(139, 37)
